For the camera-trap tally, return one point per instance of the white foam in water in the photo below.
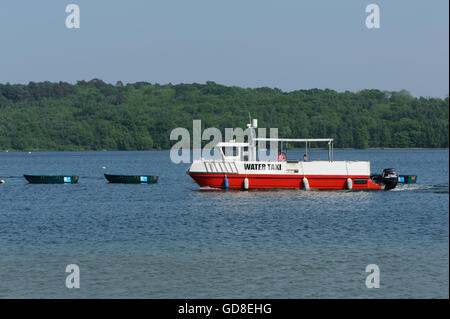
(418, 187)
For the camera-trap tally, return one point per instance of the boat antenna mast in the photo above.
(252, 138)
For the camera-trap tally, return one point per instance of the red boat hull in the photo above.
(267, 181)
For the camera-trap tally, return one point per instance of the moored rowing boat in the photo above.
(51, 179)
(132, 179)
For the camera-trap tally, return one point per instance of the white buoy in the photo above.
(2, 181)
(246, 185)
(306, 184)
(349, 183)
(29, 152)
(104, 167)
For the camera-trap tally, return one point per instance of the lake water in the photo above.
(172, 240)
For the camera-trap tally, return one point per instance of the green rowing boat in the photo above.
(402, 179)
(407, 179)
(132, 179)
(51, 179)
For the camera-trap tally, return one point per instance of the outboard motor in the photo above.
(389, 178)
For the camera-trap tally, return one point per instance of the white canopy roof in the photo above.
(294, 139)
(232, 144)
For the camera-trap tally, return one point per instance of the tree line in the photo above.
(94, 115)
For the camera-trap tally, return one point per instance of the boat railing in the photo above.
(307, 142)
(228, 167)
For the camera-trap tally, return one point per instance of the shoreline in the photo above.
(293, 149)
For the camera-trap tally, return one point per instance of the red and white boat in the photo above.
(242, 169)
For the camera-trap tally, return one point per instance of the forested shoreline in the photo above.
(94, 115)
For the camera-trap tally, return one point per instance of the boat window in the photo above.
(230, 151)
(245, 154)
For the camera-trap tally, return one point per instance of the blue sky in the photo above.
(288, 44)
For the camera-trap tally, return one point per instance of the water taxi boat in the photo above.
(239, 168)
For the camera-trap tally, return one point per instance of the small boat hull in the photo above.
(402, 179)
(132, 179)
(51, 179)
(407, 179)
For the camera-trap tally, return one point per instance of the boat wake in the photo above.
(438, 189)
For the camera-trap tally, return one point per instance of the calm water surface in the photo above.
(172, 240)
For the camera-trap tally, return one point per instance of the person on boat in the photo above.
(305, 157)
(281, 156)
